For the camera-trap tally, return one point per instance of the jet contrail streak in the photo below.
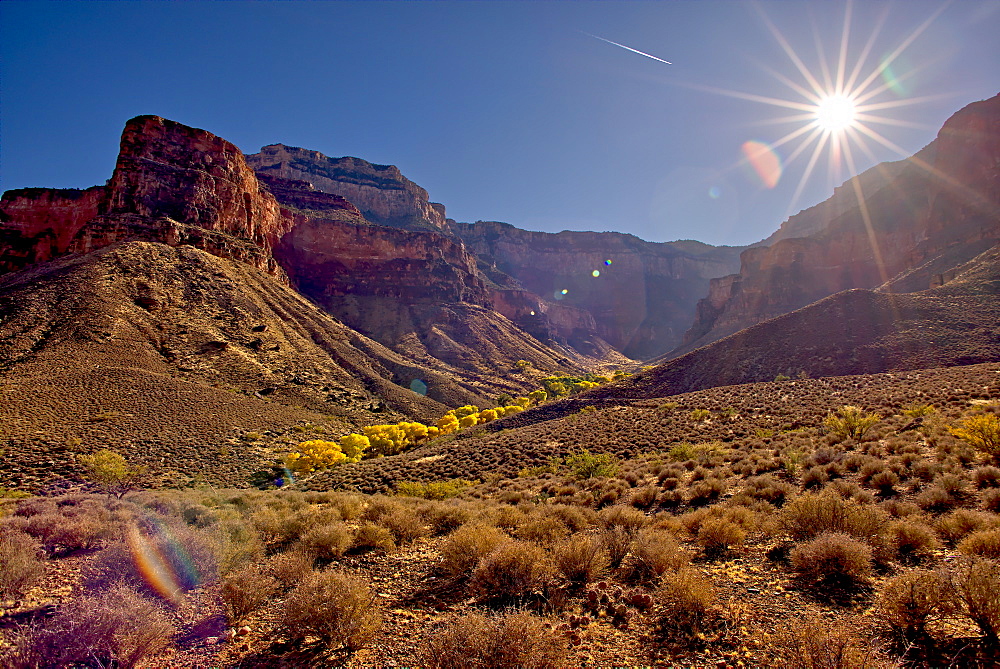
(628, 48)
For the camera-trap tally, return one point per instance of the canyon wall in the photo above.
(901, 226)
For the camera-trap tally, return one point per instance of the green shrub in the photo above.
(510, 640)
(338, 608)
(111, 472)
(850, 422)
(584, 465)
(698, 415)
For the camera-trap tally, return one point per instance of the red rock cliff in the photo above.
(921, 217)
(38, 224)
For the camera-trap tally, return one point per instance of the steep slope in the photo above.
(171, 353)
(852, 332)
(904, 224)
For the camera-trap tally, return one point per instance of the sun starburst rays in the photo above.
(839, 104)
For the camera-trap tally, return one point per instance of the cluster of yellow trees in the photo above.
(381, 440)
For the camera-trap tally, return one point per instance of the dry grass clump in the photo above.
(542, 528)
(987, 477)
(462, 550)
(768, 489)
(405, 525)
(118, 627)
(812, 514)
(718, 535)
(833, 557)
(970, 591)
(626, 517)
(20, 563)
(327, 542)
(246, 590)
(581, 558)
(291, 566)
(954, 526)
(984, 543)
(813, 643)
(683, 604)
(513, 570)
(910, 541)
(372, 537)
(653, 553)
(908, 602)
(338, 609)
(511, 640)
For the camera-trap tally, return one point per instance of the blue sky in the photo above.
(502, 111)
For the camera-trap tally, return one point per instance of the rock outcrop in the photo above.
(381, 192)
(902, 226)
(640, 295)
(39, 224)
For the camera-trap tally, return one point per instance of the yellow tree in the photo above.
(314, 455)
(111, 472)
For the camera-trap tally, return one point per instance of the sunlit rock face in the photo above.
(172, 184)
(381, 192)
(918, 219)
(641, 295)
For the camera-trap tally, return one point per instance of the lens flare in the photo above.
(764, 161)
(835, 113)
(418, 386)
(596, 273)
(608, 262)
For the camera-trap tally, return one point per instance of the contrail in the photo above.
(628, 48)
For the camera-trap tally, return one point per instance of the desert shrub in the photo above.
(643, 498)
(936, 499)
(626, 517)
(814, 643)
(954, 526)
(768, 489)
(906, 603)
(372, 537)
(338, 608)
(812, 514)
(462, 550)
(910, 541)
(327, 542)
(20, 563)
(719, 534)
(246, 590)
(185, 557)
(291, 566)
(617, 541)
(987, 477)
(581, 558)
(513, 570)
(653, 553)
(510, 640)
(850, 422)
(991, 500)
(118, 627)
(706, 491)
(436, 490)
(814, 477)
(835, 557)
(61, 535)
(683, 604)
(984, 543)
(573, 517)
(542, 529)
(405, 525)
(982, 431)
(444, 517)
(698, 415)
(970, 590)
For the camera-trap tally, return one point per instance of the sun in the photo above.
(835, 113)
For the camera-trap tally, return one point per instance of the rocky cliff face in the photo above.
(640, 295)
(920, 218)
(172, 183)
(381, 192)
(38, 224)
